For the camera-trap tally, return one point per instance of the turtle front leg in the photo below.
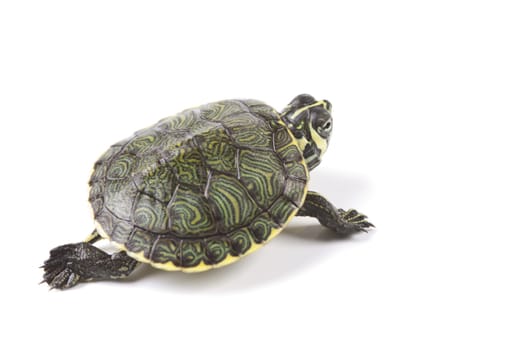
(343, 222)
(81, 262)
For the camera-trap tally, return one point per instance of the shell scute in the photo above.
(202, 188)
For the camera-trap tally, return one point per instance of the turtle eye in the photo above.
(321, 121)
(325, 128)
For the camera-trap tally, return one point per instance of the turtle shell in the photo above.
(202, 188)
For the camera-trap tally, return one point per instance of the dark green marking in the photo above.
(249, 131)
(217, 250)
(190, 214)
(188, 165)
(296, 171)
(294, 191)
(240, 241)
(160, 183)
(281, 138)
(262, 174)
(230, 202)
(196, 187)
(290, 153)
(183, 121)
(261, 228)
(192, 253)
(167, 249)
(281, 210)
(143, 142)
(150, 214)
(221, 110)
(218, 150)
(140, 241)
(121, 167)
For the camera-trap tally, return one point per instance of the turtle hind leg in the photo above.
(70, 264)
(343, 222)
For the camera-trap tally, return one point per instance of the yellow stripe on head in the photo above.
(320, 142)
(301, 110)
(310, 121)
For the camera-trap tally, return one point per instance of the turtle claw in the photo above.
(351, 221)
(70, 264)
(60, 277)
(67, 278)
(58, 269)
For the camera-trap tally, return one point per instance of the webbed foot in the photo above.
(70, 264)
(351, 221)
(343, 222)
(61, 270)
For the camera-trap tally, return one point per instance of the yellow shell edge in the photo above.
(169, 266)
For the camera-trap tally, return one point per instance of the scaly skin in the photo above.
(343, 222)
(70, 264)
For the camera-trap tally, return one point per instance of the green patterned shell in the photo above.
(201, 188)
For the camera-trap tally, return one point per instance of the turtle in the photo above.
(203, 188)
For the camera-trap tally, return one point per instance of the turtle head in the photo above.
(310, 121)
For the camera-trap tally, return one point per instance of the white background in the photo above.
(428, 103)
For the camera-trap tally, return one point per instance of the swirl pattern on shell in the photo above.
(206, 185)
